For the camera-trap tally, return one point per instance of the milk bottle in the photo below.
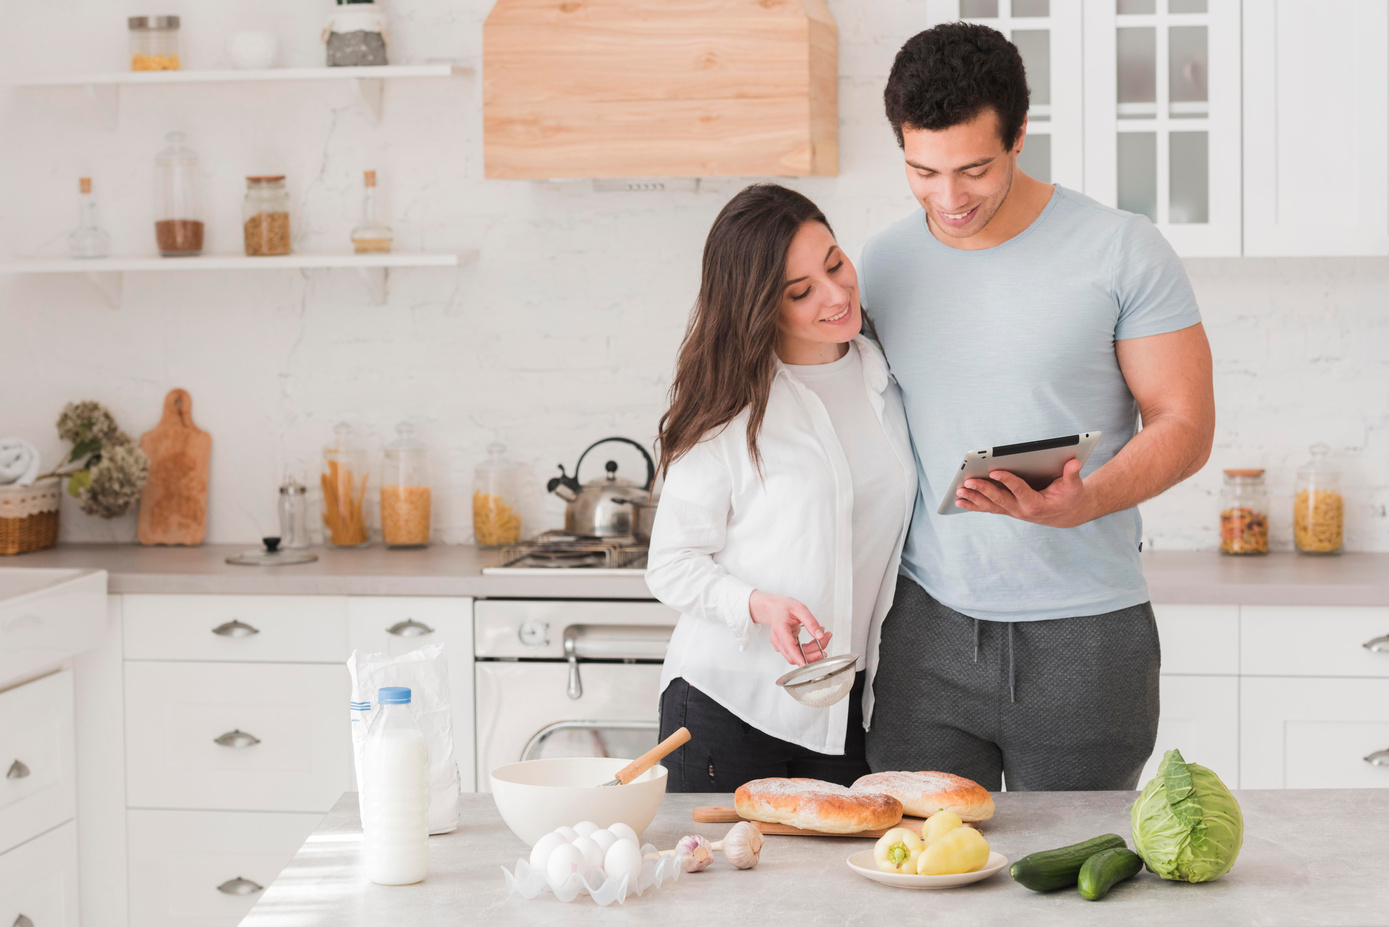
(395, 793)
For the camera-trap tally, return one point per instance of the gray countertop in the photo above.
(1174, 577)
(1309, 857)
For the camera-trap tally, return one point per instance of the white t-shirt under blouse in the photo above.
(878, 479)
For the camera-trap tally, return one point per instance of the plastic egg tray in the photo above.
(531, 883)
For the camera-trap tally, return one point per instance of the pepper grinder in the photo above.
(294, 517)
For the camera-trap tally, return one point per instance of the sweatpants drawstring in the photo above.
(1012, 683)
(976, 640)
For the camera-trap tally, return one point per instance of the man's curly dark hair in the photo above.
(951, 73)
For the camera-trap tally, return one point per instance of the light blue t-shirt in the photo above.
(1016, 343)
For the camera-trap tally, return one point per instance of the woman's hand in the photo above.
(785, 617)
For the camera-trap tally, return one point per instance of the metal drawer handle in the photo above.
(1378, 758)
(409, 628)
(235, 628)
(237, 739)
(23, 921)
(239, 886)
(1378, 645)
(17, 770)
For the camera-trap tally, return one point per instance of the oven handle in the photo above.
(539, 737)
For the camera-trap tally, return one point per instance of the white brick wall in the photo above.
(564, 330)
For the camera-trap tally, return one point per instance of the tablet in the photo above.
(1037, 462)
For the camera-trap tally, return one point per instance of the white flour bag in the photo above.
(425, 672)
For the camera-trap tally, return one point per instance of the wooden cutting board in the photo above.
(173, 506)
(725, 815)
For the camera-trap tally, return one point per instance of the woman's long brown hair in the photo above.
(728, 357)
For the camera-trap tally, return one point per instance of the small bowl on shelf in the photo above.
(537, 796)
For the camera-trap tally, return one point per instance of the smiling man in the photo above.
(1021, 644)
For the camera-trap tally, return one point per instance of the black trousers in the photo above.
(725, 751)
(1069, 704)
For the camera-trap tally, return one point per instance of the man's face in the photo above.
(960, 175)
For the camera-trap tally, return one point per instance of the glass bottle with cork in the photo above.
(405, 496)
(1244, 513)
(1319, 509)
(178, 223)
(88, 240)
(265, 215)
(371, 236)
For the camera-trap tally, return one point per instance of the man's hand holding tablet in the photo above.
(1036, 481)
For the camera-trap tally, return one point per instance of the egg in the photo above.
(568, 833)
(540, 853)
(585, 828)
(623, 832)
(564, 861)
(593, 856)
(623, 859)
(605, 839)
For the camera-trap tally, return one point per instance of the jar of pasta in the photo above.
(1244, 513)
(405, 502)
(1319, 510)
(153, 43)
(495, 519)
(344, 483)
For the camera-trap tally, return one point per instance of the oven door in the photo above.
(525, 711)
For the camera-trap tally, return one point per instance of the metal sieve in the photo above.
(822, 683)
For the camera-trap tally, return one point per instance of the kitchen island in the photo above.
(1309, 857)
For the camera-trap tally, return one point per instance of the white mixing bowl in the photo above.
(537, 796)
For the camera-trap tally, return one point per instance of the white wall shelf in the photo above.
(104, 89)
(106, 273)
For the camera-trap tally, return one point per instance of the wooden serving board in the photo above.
(173, 505)
(725, 815)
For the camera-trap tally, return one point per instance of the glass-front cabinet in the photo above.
(1162, 116)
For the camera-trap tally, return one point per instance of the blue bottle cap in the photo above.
(393, 695)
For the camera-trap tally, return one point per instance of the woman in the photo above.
(788, 490)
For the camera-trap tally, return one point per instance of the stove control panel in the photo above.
(534, 633)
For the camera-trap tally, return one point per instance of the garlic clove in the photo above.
(742, 846)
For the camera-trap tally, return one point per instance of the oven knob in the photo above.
(534, 633)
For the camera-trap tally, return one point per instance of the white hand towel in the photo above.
(19, 462)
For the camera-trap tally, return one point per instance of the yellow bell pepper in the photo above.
(897, 850)
(961, 850)
(938, 825)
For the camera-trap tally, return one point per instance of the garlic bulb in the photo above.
(694, 853)
(742, 845)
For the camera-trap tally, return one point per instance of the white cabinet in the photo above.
(207, 868)
(238, 628)
(1199, 640)
(399, 624)
(1162, 116)
(1306, 641)
(1200, 717)
(38, 881)
(1316, 127)
(1314, 733)
(38, 788)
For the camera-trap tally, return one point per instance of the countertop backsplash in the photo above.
(565, 328)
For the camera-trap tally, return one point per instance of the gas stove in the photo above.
(556, 550)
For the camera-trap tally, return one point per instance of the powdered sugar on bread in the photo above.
(924, 793)
(811, 804)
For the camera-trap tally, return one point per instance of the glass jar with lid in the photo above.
(153, 43)
(496, 522)
(405, 497)
(265, 215)
(1319, 509)
(293, 511)
(178, 218)
(344, 482)
(1244, 513)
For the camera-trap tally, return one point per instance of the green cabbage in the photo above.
(1186, 824)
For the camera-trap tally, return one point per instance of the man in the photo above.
(1021, 644)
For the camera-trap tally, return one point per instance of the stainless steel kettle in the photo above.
(606, 508)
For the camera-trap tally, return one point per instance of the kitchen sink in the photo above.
(47, 616)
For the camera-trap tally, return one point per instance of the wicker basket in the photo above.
(29, 516)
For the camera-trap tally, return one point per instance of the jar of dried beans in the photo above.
(405, 502)
(1244, 513)
(265, 215)
(1319, 510)
(178, 219)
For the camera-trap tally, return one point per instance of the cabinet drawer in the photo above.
(38, 880)
(232, 628)
(283, 732)
(1313, 641)
(1314, 733)
(37, 782)
(186, 867)
(1214, 628)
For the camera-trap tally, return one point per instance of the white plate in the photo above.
(863, 863)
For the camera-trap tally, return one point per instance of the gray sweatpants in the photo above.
(1062, 705)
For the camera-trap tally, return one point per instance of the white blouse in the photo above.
(722, 530)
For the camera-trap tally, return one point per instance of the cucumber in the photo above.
(1048, 870)
(1105, 870)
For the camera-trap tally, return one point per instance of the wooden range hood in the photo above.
(660, 88)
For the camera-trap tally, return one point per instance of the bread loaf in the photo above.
(922, 794)
(814, 805)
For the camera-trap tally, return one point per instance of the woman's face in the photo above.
(820, 304)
